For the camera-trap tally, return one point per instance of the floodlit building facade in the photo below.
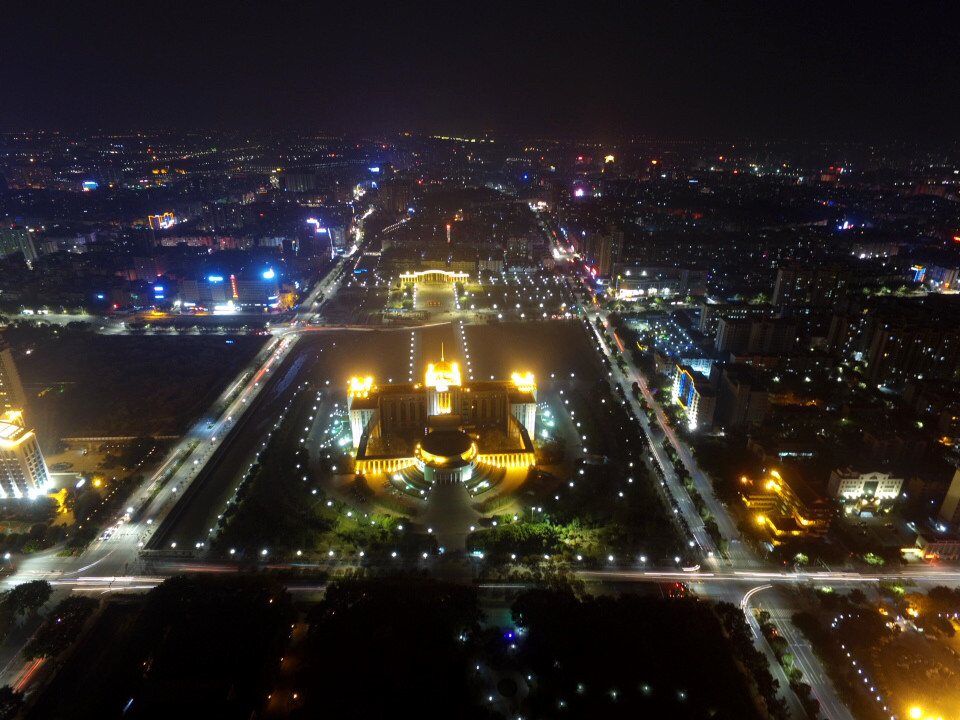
(693, 392)
(786, 506)
(23, 473)
(444, 427)
(867, 488)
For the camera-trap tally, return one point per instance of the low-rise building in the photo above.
(786, 506)
(867, 489)
(946, 547)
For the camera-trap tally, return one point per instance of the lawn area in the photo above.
(95, 385)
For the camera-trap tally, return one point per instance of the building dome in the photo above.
(447, 456)
(447, 446)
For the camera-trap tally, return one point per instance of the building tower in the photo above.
(443, 387)
(950, 510)
(12, 397)
(23, 473)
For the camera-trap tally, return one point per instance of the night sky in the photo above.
(683, 70)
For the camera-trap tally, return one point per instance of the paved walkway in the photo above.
(450, 513)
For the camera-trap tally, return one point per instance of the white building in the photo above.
(23, 473)
(852, 485)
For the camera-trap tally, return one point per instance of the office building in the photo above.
(786, 507)
(600, 250)
(950, 510)
(756, 337)
(712, 313)
(639, 281)
(12, 397)
(863, 493)
(901, 348)
(396, 195)
(797, 285)
(15, 240)
(692, 391)
(161, 221)
(742, 398)
(227, 293)
(23, 473)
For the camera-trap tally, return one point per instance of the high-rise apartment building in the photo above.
(950, 510)
(23, 473)
(813, 286)
(12, 396)
(603, 249)
(17, 240)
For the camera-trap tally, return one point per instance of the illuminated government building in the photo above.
(23, 473)
(786, 506)
(444, 429)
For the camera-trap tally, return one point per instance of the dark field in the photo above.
(80, 384)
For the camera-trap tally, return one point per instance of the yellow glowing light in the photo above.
(443, 375)
(776, 474)
(14, 417)
(524, 382)
(761, 519)
(13, 435)
(912, 612)
(98, 482)
(360, 387)
(916, 712)
(609, 158)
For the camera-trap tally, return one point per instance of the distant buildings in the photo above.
(742, 398)
(220, 293)
(636, 282)
(23, 472)
(950, 510)
(798, 285)
(901, 348)
(396, 195)
(756, 336)
(601, 250)
(17, 240)
(712, 313)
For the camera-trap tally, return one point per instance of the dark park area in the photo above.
(83, 384)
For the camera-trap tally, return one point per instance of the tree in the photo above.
(61, 628)
(27, 597)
